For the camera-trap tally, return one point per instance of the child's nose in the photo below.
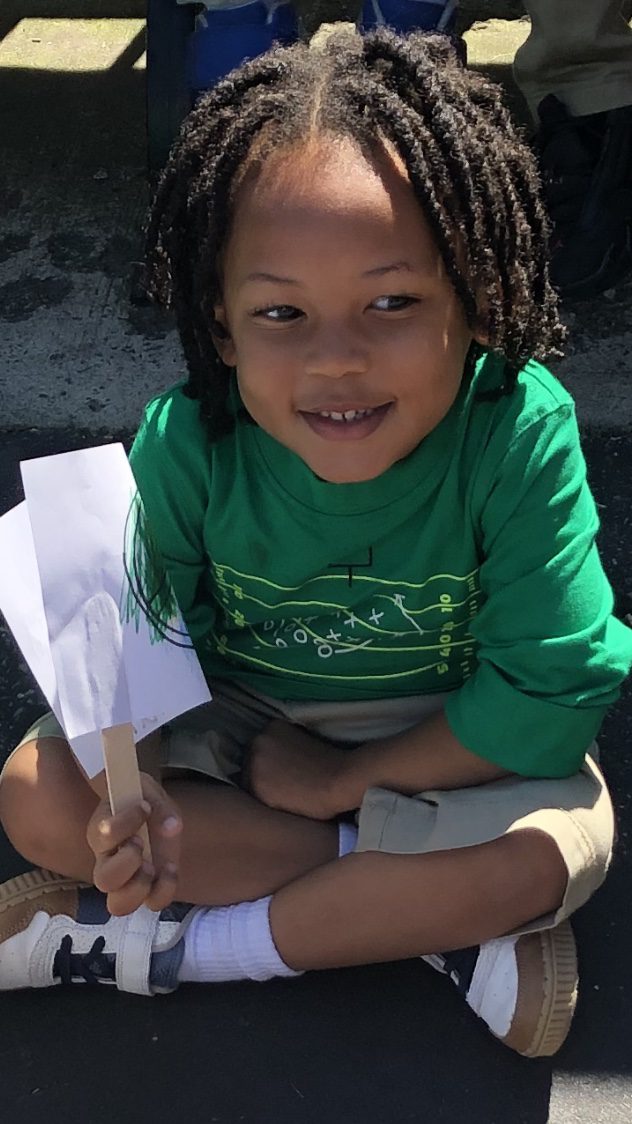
(336, 352)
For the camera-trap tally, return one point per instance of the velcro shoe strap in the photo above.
(134, 949)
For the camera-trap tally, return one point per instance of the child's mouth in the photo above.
(347, 425)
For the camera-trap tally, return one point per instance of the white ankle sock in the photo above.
(234, 942)
(347, 838)
(231, 942)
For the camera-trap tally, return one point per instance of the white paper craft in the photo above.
(66, 595)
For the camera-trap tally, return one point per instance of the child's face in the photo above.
(336, 300)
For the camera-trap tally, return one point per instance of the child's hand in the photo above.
(290, 769)
(119, 869)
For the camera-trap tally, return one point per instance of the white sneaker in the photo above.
(524, 988)
(54, 930)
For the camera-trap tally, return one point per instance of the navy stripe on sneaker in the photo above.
(92, 907)
(458, 965)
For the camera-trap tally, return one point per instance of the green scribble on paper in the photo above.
(147, 590)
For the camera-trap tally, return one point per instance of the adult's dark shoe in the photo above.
(586, 165)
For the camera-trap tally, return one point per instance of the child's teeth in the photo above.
(349, 415)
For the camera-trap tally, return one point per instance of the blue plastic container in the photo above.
(224, 37)
(410, 15)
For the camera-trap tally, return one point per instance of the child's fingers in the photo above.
(113, 871)
(163, 890)
(120, 871)
(106, 833)
(166, 840)
(165, 833)
(131, 896)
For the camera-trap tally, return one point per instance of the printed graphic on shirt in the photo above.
(372, 631)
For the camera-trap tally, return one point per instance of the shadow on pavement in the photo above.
(105, 109)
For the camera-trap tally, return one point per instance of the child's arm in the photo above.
(425, 757)
(292, 770)
(550, 654)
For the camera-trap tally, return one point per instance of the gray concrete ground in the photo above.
(77, 361)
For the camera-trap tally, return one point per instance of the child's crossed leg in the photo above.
(371, 906)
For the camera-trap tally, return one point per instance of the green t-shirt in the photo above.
(468, 567)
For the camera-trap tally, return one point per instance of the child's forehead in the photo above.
(333, 169)
(309, 203)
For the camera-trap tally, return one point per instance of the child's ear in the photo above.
(222, 338)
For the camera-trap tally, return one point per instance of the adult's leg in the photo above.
(575, 71)
(578, 50)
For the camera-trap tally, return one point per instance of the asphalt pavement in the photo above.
(77, 359)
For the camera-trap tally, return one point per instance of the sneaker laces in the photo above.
(93, 966)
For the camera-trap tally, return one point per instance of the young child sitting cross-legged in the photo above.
(371, 502)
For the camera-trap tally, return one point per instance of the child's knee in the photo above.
(43, 798)
(543, 874)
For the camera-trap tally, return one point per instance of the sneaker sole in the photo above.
(32, 884)
(544, 1014)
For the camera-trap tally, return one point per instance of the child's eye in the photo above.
(394, 303)
(278, 313)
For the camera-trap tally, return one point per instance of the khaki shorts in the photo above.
(576, 812)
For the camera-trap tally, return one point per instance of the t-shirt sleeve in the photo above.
(172, 472)
(551, 656)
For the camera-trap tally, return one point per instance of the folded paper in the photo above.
(68, 593)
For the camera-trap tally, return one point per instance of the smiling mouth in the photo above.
(353, 424)
(346, 415)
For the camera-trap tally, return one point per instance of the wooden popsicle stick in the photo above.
(123, 777)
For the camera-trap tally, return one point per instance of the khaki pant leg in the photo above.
(575, 812)
(579, 50)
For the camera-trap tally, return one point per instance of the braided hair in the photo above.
(473, 176)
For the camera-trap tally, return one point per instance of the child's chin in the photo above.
(347, 474)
